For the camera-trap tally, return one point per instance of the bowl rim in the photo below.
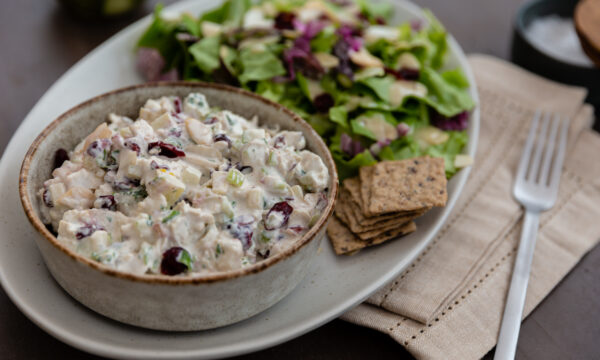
(521, 29)
(160, 278)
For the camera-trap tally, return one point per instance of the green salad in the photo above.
(372, 89)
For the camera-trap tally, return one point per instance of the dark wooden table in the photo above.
(38, 43)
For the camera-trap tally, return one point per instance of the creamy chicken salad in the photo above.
(184, 189)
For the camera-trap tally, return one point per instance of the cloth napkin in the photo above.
(448, 303)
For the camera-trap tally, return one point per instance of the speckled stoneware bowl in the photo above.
(159, 301)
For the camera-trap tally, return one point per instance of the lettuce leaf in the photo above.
(447, 98)
(259, 66)
(206, 53)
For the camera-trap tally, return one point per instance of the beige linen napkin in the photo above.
(448, 304)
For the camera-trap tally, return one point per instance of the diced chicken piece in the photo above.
(152, 109)
(313, 172)
(199, 132)
(295, 139)
(196, 106)
(77, 198)
(255, 154)
(166, 184)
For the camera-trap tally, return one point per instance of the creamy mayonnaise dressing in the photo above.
(184, 189)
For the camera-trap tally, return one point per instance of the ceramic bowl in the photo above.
(159, 301)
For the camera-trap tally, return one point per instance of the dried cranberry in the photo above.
(167, 150)
(323, 102)
(132, 146)
(126, 184)
(60, 157)
(47, 199)
(98, 147)
(297, 229)
(242, 230)
(108, 202)
(284, 209)
(177, 104)
(404, 73)
(279, 142)
(222, 137)
(87, 230)
(171, 261)
(154, 165)
(210, 120)
(380, 20)
(285, 21)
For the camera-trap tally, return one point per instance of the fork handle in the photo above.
(513, 312)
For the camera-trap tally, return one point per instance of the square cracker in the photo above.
(344, 242)
(406, 185)
(353, 198)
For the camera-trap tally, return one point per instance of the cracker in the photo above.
(406, 185)
(353, 188)
(365, 175)
(344, 242)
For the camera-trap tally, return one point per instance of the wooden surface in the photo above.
(38, 43)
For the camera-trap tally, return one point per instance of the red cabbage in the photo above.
(457, 122)
(350, 146)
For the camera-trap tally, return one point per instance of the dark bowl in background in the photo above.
(526, 55)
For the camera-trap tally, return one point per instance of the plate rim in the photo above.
(83, 343)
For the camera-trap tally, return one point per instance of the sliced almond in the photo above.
(326, 60)
(365, 59)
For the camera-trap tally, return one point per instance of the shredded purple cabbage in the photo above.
(351, 36)
(457, 122)
(350, 146)
(299, 57)
(150, 63)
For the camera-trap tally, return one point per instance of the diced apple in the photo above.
(162, 122)
(191, 176)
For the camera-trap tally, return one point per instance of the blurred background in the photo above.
(41, 39)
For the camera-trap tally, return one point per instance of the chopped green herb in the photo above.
(170, 216)
(219, 251)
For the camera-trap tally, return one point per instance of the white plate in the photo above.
(333, 285)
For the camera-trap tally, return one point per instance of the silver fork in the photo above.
(536, 188)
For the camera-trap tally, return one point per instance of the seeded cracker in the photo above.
(344, 242)
(366, 175)
(406, 185)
